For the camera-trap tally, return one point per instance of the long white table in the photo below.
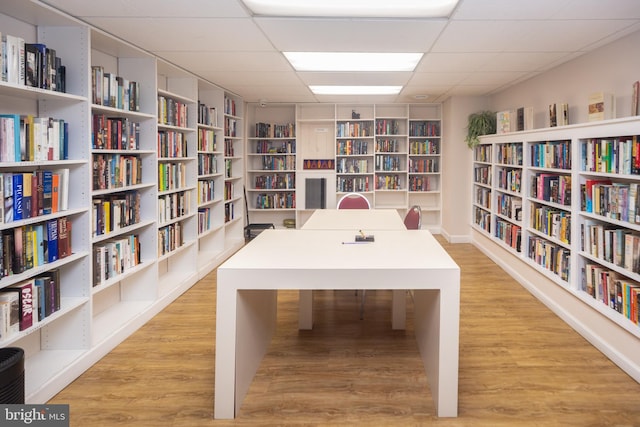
(317, 259)
(356, 220)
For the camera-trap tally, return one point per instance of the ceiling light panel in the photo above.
(355, 90)
(353, 61)
(353, 8)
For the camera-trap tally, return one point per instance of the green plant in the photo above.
(480, 123)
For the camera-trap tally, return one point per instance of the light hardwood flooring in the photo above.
(520, 365)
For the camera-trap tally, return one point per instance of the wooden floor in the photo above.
(520, 365)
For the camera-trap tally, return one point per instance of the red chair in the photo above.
(353, 201)
(413, 218)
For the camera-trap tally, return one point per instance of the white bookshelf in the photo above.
(271, 163)
(94, 317)
(555, 232)
(234, 149)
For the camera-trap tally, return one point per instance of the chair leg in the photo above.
(362, 304)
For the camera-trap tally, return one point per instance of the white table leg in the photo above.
(399, 309)
(305, 309)
(245, 323)
(437, 319)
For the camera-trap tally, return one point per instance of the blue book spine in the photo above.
(52, 240)
(17, 196)
(8, 197)
(47, 189)
(65, 141)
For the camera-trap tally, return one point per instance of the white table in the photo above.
(367, 220)
(317, 259)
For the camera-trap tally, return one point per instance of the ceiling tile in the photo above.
(229, 61)
(446, 62)
(151, 8)
(507, 9)
(343, 35)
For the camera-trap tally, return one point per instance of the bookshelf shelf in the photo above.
(120, 128)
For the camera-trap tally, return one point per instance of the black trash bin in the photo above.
(12, 375)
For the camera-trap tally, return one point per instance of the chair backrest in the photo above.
(413, 218)
(353, 201)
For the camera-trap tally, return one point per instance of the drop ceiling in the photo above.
(484, 47)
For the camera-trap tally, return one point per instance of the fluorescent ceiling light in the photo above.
(354, 8)
(353, 61)
(355, 90)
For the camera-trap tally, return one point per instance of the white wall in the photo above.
(612, 68)
(456, 167)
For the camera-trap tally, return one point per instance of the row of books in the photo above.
(114, 133)
(276, 200)
(206, 140)
(174, 205)
(112, 171)
(551, 154)
(482, 153)
(114, 91)
(206, 191)
(510, 179)
(229, 211)
(555, 223)
(353, 129)
(424, 165)
(31, 64)
(207, 115)
(30, 246)
(427, 146)
(617, 293)
(230, 106)
(510, 206)
(483, 197)
(344, 165)
(231, 127)
(611, 155)
(229, 190)
(510, 154)
(351, 184)
(25, 304)
(113, 257)
(286, 181)
(207, 164)
(387, 127)
(28, 138)
(277, 163)
(550, 256)
(115, 212)
(273, 130)
(32, 194)
(388, 163)
(619, 200)
(514, 120)
(352, 147)
(482, 219)
(204, 220)
(615, 245)
(509, 233)
(482, 175)
(172, 112)
(172, 144)
(229, 148)
(170, 238)
(386, 145)
(388, 182)
(273, 147)
(172, 176)
(551, 188)
(422, 183)
(426, 128)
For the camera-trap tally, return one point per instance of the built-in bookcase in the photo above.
(234, 151)
(177, 178)
(124, 192)
(107, 205)
(569, 197)
(271, 163)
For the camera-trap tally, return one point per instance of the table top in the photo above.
(317, 250)
(355, 219)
